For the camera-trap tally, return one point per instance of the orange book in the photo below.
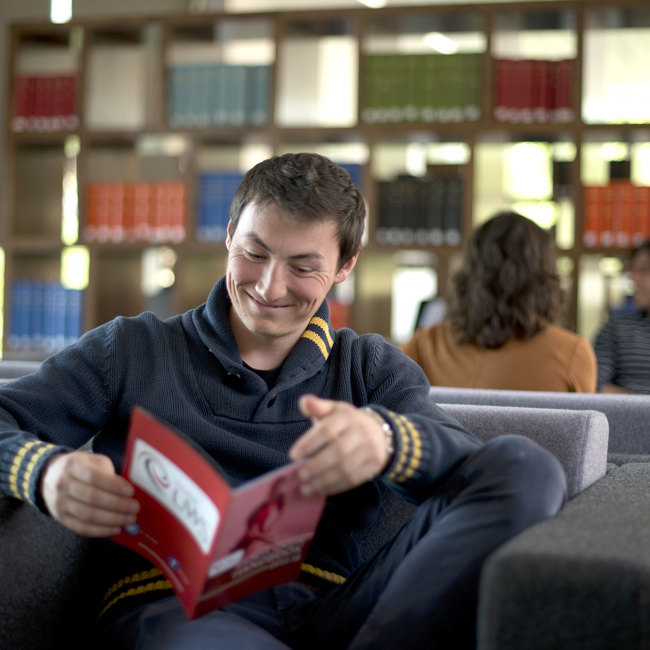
(607, 237)
(641, 214)
(593, 223)
(622, 211)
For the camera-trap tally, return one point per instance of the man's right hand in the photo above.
(83, 492)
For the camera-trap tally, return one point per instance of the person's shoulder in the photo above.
(558, 335)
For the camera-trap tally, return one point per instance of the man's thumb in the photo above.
(314, 407)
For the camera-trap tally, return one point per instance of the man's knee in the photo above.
(529, 477)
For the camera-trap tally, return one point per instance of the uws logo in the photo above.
(156, 471)
(164, 481)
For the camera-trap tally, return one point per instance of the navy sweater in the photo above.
(187, 370)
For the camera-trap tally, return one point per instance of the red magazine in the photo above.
(214, 544)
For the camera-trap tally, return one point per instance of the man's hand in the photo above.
(343, 448)
(83, 492)
(613, 388)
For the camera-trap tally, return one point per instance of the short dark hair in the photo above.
(508, 285)
(312, 188)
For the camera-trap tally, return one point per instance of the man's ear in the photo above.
(344, 271)
(228, 238)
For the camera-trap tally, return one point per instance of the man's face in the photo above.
(279, 272)
(640, 274)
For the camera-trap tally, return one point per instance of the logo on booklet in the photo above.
(165, 482)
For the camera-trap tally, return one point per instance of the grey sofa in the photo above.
(47, 571)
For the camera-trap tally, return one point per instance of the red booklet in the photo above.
(215, 544)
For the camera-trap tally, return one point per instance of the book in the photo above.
(215, 544)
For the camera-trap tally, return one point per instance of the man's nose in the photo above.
(271, 284)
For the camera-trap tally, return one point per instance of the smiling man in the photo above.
(257, 376)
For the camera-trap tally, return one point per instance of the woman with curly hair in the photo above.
(501, 331)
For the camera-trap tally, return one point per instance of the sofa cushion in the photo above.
(578, 581)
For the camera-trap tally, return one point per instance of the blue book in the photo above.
(49, 290)
(73, 315)
(19, 332)
(257, 94)
(36, 288)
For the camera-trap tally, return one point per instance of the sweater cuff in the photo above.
(407, 457)
(21, 470)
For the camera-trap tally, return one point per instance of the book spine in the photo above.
(73, 315)
(622, 208)
(435, 210)
(607, 234)
(563, 111)
(641, 211)
(453, 208)
(592, 207)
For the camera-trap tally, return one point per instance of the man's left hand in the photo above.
(344, 447)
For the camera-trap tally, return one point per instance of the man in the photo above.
(622, 346)
(257, 376)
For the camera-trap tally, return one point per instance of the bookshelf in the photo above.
(125, 138)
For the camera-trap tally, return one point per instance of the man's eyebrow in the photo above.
(301, 256)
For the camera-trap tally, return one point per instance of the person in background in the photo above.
(257, 376)
(500, 329)
(622, 345)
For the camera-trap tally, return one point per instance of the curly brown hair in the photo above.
(508, 285)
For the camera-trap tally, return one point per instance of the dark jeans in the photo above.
(419, 591)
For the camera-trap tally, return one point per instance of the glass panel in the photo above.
(616, 81)
(529, 177)
(317, 74)
(122, 80)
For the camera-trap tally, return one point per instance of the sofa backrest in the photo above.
(628, 415)
(578, 439)
(10, 370)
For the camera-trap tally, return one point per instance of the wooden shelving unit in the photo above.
(317, 65)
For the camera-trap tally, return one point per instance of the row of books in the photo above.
(420, 210)
(153, 211)
(215, 192)
(45, 102)
(533, 90)
(44, 315)
(422, 87)
(217, 94)
(616, 215)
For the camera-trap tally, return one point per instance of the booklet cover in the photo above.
(215, 544)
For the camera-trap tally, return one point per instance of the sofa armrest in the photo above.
(578, 439)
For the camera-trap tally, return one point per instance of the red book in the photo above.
(563, 111)
(543, 90)
(214, 544)
(23, 102)
(504, 89)
(524, 90)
